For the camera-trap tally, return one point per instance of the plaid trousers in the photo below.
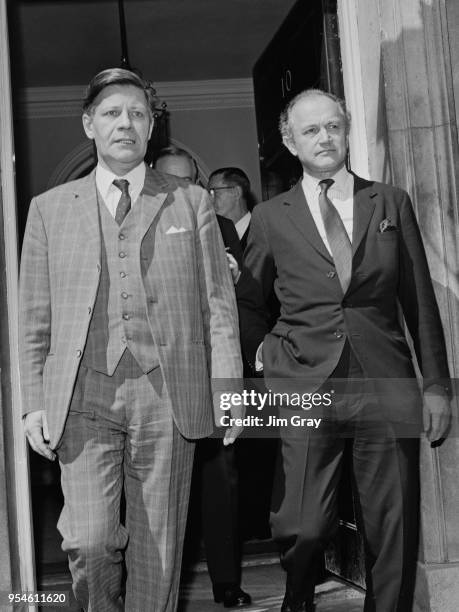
(120, 433)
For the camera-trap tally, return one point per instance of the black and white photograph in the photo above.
(229, 305)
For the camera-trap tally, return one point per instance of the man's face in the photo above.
(319, 135)
(120, 125)
(224, 196)
(177, 165)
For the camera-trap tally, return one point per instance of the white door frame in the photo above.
(353, 85)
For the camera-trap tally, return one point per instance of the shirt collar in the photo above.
(343, 183)
(105, 178)
(242, 224)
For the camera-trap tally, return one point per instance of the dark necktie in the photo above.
(337, 237)
(124, 204)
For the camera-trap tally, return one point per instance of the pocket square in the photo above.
(176, 230)
(386, 226)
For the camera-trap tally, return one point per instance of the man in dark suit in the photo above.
(341, 253)
(215, 470)
(230, 189)
(127, 314)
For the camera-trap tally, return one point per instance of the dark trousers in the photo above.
(215, 469)
(386, 488)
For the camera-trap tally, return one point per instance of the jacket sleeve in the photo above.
(218, 301)
(417, 298)
(34, 311)
(254, 289)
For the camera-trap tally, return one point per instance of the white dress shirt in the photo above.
(242, 225)
(341, 194)
(111, 194)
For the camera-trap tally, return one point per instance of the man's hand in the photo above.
(234, 268)
(235, 412)
(36, 430)
(437, 415)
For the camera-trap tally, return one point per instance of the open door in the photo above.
(16, 542)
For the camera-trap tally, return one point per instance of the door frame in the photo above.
(17, 464)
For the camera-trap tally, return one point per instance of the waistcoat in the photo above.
(119, 321)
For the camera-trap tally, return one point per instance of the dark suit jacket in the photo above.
(230, 238)
(286, 254)
(244, 238)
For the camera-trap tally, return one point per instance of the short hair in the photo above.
(118, 76)
(233, 175)
(173, 151)
(239, 178)
(284, 119)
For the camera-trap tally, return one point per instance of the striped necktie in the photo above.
(337, 236)
(124, 204)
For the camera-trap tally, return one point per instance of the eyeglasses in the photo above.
(212, 190)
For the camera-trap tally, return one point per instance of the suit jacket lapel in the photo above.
(85, 201)
(301, 217)
(364, 206)
(153, 194)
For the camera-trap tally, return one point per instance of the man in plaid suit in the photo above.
(127, 309)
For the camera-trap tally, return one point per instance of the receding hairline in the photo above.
(285, 116)
(313, 95)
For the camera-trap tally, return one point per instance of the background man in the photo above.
(215, 471)
(178, 162)
(340, 252)
(125, 298)
(230, 188)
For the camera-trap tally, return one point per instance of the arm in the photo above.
(255, 288)
(34, 329)
(419, 305)
(219, 309)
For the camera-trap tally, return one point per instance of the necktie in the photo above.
(337, 237)
(124, 204)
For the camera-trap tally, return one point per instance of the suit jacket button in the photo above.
(346, 304)
(122, 254)
(331, 274)
(78, 353)
(339, 334)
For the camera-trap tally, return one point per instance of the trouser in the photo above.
(385, 473)
(216, 470)
(120, 434)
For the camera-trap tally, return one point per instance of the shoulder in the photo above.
(59, 191)
(181, 188)
(271, 209)
(376, 187)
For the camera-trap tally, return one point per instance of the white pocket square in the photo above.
(176, 230)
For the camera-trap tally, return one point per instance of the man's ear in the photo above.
(87, 125)
(288, 142)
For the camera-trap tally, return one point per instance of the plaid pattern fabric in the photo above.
(190, 297)
(121, 294)
(121, 427)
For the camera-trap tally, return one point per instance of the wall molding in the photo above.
(65, 101)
